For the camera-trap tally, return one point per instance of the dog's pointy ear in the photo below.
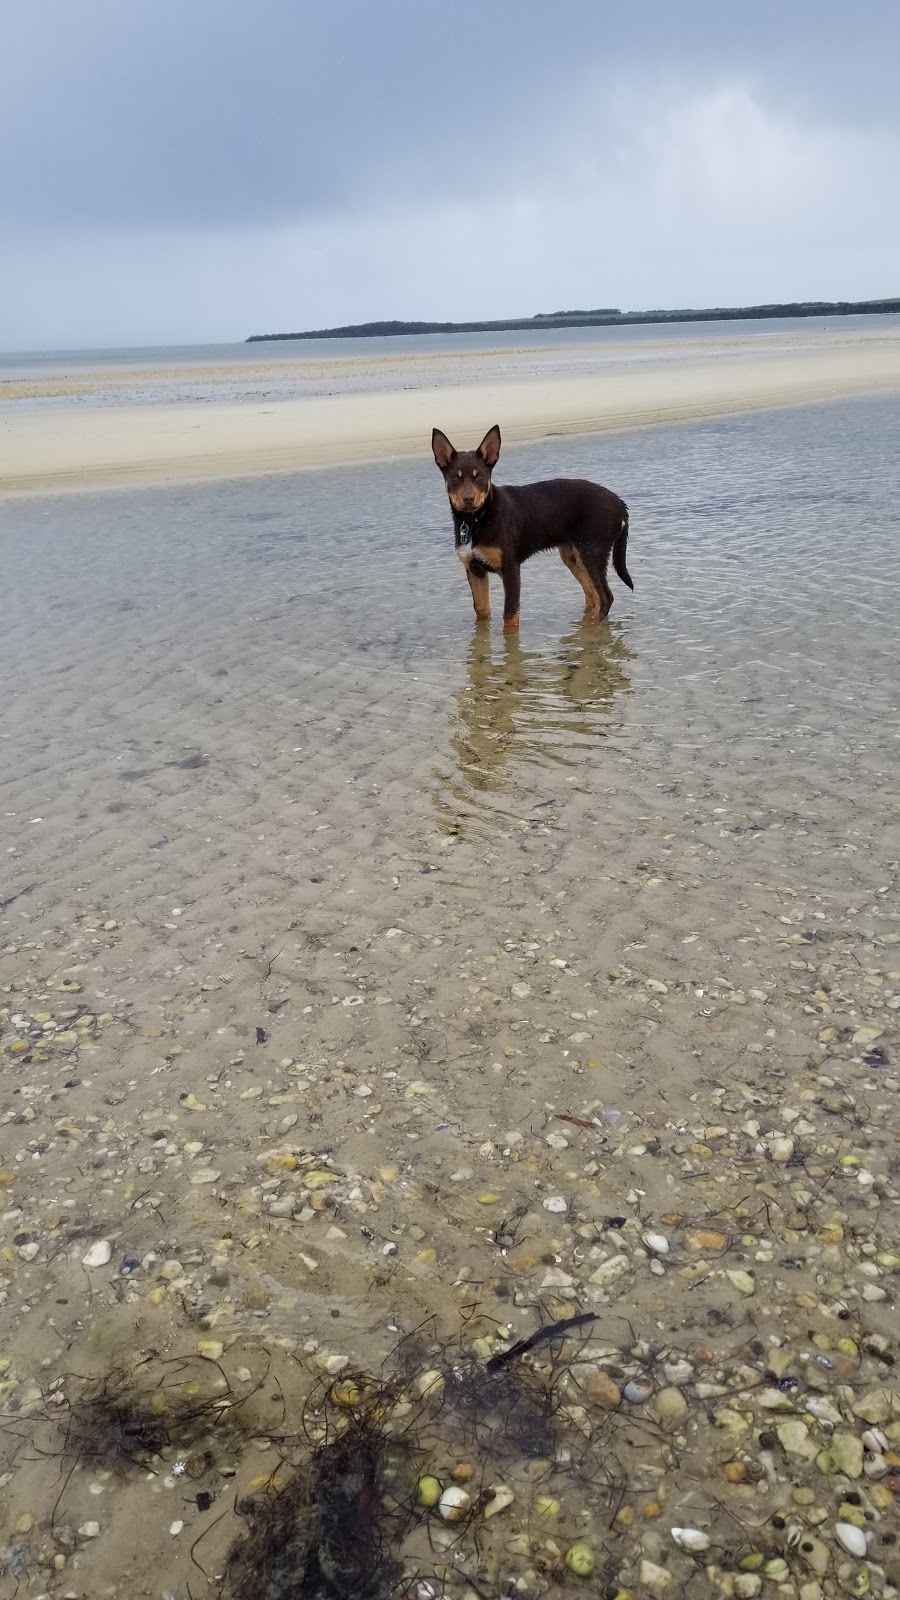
(443, 449)
(489, 448)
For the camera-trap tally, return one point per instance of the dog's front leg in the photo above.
(512, 584)
(481, 597)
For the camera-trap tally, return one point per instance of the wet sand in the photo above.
(150, 425)
(366, 975)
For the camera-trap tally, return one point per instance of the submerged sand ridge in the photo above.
(375, 990)
(367, 415)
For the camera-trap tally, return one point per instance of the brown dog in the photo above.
(497, 529)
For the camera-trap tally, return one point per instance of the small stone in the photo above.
(556, 1204)
(555, 1278)
(522, 1259)
(678, 1372)
(89, 1530)
(320, 1179)
(851, 1539)
(740, 1280)
(847, 1453)
(210, 1349)
(747, 1584)
(285, 1162)
(795, 1440)
(656, 1579)
(670, 1408)
(98, 1255)
(603, 1391)
(876, 1405)
(706, 1241)
(638, 1391)
(814, 1554)
(781, 1149)
(429, 1491)
(25, 1523)
(580, 1559)
(501, 1497)
(546, 1505)
(429, 1385)
(608, 1271)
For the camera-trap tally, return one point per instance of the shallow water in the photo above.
(260, 771)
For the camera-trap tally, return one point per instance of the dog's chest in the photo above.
(488, 555)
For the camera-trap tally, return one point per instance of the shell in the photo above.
(692, 1539)
(454, 1504)
(851, 1539)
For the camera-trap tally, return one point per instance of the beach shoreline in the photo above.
(146, 439)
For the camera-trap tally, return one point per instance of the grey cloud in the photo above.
(213, 112)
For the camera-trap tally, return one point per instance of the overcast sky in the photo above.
(193, 170)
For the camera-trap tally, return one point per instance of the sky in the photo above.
(199, 170)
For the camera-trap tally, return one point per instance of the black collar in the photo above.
(466, 526)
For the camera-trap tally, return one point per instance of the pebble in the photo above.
(603, 1390)
(91, 1530)
(454, 1503)
(740, 1280)
(501, 1497)
(655, 1578)
(638, 1391)
(669, 1407)
(846, 1452)
(580, 1559)
(429, 1385)
(556, 1204)
(98, 1255)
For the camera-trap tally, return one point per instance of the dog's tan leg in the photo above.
(481, 594)
(511, 589)
(579, 571)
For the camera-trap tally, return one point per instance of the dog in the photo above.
(497, 529)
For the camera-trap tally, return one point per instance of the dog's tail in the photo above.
(618, 551)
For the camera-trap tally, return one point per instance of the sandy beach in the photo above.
(64, 433)
(376, 991)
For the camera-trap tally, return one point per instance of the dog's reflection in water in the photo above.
(521, 706)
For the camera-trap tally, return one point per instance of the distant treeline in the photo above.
(605, 317)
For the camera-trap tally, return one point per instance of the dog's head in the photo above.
(467, 473)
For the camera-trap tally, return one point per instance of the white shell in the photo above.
(454, 1503)
(853, 1539)
(691, 1539)
(657, 1242)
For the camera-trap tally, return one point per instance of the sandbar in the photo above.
(81, 446)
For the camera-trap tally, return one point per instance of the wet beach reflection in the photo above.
(522, 707)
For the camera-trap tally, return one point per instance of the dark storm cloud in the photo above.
(162, 113)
